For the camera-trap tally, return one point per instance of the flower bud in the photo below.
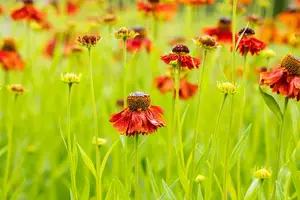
(16, 89)
(262, 174)
(268, 53)
(99, 141)
(71, 78)
(227, 87)
(125, 33)
(88, 40)
(207, 42)
(200, 178)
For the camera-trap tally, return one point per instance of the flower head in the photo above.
(140, 41)
(99, 141)
(139, 117)
(222, 32)
(262, 174)
(16, 89)
(88, 41)
(180, 54)
(248, 43)
(227, 87)
(207, 42)
(199, 178)
(254, 19)
(27, 12)
(9, 57)
(71, 78)
(160, 10)
(284, 80)
(125, 33)
(109, 19)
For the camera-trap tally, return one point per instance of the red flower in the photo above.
(180, 53)
(186, 89)
(139, 117)
(71, 8)
(250, 44)
(222, 32)
(28, 12)
(164, 11)
(9, 57)
(1, 10)
(284, 80)
(136, 44)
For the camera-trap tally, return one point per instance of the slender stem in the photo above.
(70, 153)
(9, 152)
(98, 181)
(136, 167)
(227, 150)
(177, 110)
(279, 146)
(214, 147)
(154, 26)
(196, 124)
(233, 69)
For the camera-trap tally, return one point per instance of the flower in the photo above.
(199, 178)
(70, 78)
(161, 10)
(125, 33)
(222, 32)
(291, 18)
(71, 8)
(197, 3)
(227, 87)
(186, 89)
(88, 41)
(284, 80)
(139, 117)
(262, 174)
(141, 40)
(207, 42)
(268, 53)
(53, 42)
(109, 19)
(17, 89)
(1, 10)
(254, 19)
(99, 141)
(248, 43)
(180, 52)
(28, 12)
(9, 57)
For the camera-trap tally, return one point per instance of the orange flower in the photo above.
(222, 32)
(9, 57)
(180, 53)
(72, 8)
(1, 10)
(164, 11)
(284, 80)
(197, 3)
(140, 41)
(139, 117)
(268, 31)
(291, 18)
(28, 12)
(248, 43)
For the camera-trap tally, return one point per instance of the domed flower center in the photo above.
(247, 31)
(138, 101)
(9, 45)
(180, 49)
(225, 23)
(207, 41)
(141, 31)
(292, 64)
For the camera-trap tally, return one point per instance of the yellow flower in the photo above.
(200, 178)
(99, 141)
(207, 42)
(227, 87)
(70, 78)
(16, 89)
(262, 174)
(125, 33)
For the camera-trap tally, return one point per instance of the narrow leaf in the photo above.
(279, 192)
(199, 193)
(162, 196)
(3, 150)
(168, 190)
(106, 157)
(272, 104)
(62, 135)
(86, 190)
(239, 147)
(152, 180)
(253, 190)
(87, 161)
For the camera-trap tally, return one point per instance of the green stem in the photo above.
(154, 26)
(177, 110)
(279, 145)
(70, 153)
(98, 181)
(136, 168)
(197, 122)
(125, 71)
(9, 152)
(233, 69)
(227, 142)
(214, 148)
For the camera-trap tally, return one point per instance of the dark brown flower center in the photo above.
(9, 45)
(224, 23)
(153, 1)
(140, 30)
(138, 101)
(180, 49)
(292, 64)
(89, 39)
(28, 1)
(207, 40)
(247, 31)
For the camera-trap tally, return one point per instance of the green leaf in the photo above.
(17, 192)
(110, 192)
(239, 147)
(183, 180)
(152, 180)
(87, 161)
(71, 194)
(86, 190)
(168, 190)
(3, 150)
(253, 190)
(295, 173)
(272, 104)
(122, 194)
(203, 158)
(199, 193)
(184, 115)
(279, 192)
(171, 187)
(103, 164)
(62, 135)
(75, 153)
